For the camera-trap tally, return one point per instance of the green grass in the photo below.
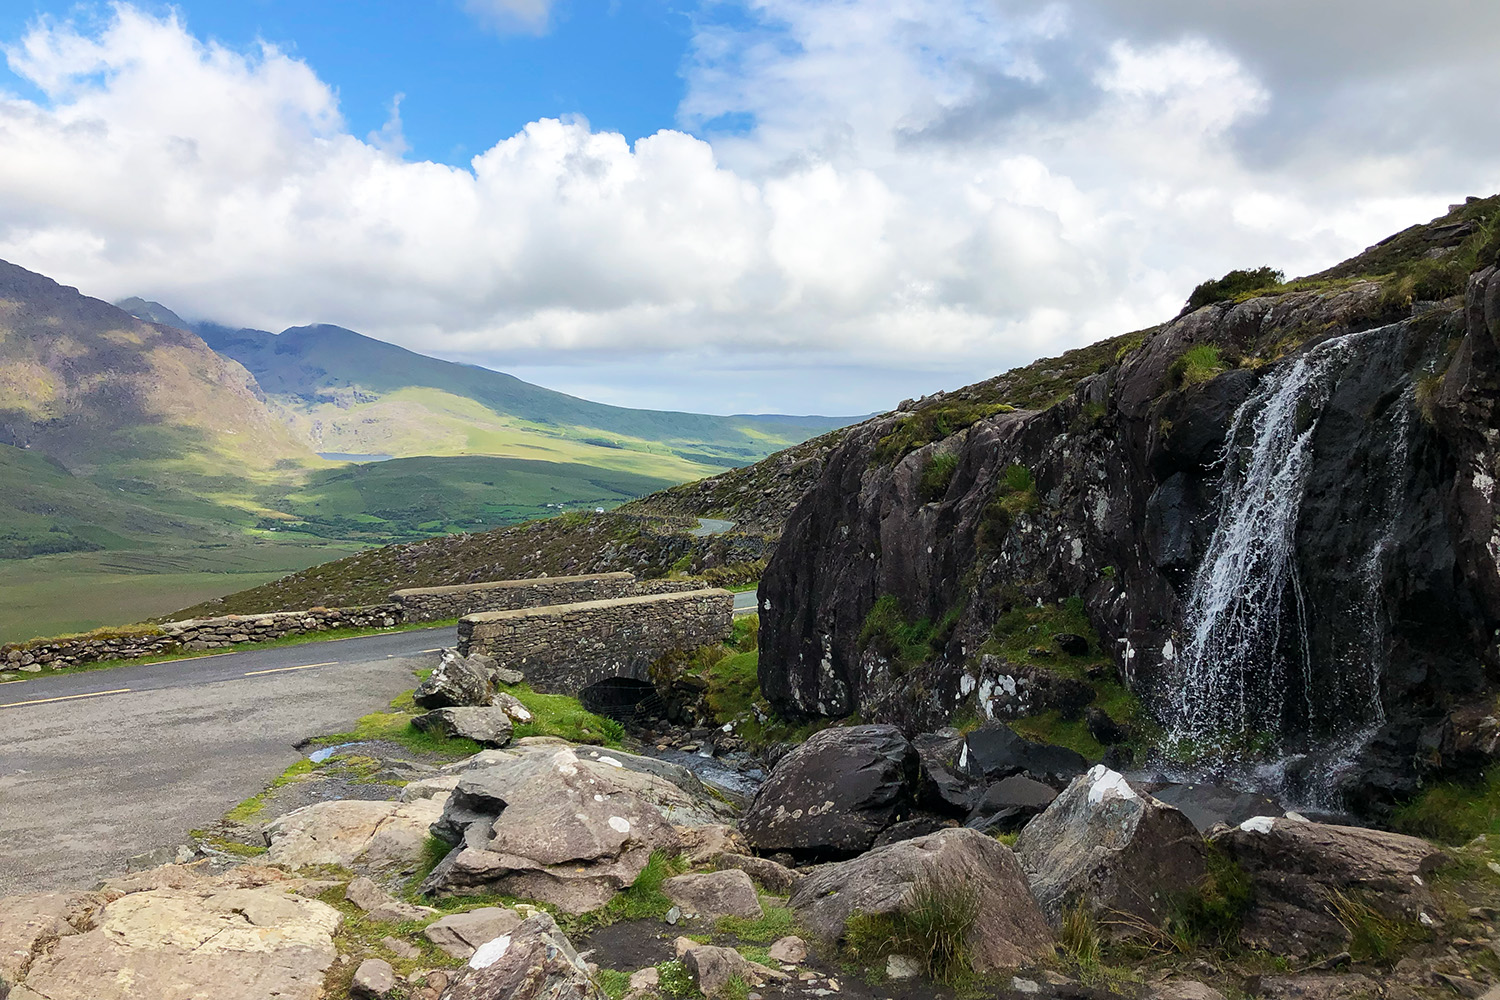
(906, 643)
(675, 980)
(1452, 812)
(1015, 494)
(613, 982)
(933, 928)
(1374, 937)
(397, 728)
(644, 900)
(937, 475)
(932, 423)
(251, 807)
(1196, 365)
(562, 716)
(1212, 914)
(1233, 285)
(777, 923)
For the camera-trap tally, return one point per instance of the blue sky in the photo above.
(727, 205)
(466, 80)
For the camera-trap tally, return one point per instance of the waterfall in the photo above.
(1247, 654)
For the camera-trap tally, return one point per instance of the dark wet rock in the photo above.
(1207, 805)
(1009, 804)
(908, 829)
(942, 787)
(1112, 849)
(456, 682)
(533, 962)
(831, 796)
(1072, 644)
(1008, 930)
(1103, 728)
(489, 727)
(1299, 870)
(995, 751)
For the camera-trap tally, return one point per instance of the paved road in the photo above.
(710, 526)
(96, 767)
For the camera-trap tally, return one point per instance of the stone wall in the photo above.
(564, 649)
(435, 604)
(199, 634)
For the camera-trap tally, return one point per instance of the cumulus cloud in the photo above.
(928, 191)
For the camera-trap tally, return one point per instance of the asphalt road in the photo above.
(96, 767)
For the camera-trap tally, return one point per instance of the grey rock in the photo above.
(909, 829)
(455, 682)
(402, 949)
(712, 968)
(487, 726)
(1208, 805)
(728, 893)
(1184, 990)
(1296, 866)
(832, 795)
(531, 962)
(373, 980)
(461, 933)
(902, 967)
(380, 905)
(777, 878)
(1113, 850)
(789, 950)
(1008, 931)
(1009, 804)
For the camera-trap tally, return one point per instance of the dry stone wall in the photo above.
(565, 649)
(435, 604)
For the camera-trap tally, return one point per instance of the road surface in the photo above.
(96, 767)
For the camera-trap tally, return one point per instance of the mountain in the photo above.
(346, 393)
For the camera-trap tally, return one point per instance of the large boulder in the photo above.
(1304, 873)
(995, 751)
(1009, 804)
(566, 825)
(456, 682)
(532, 962)
(943, 788)
(181, 935)
(831, 796)
(488, 726)
(1121, 854)
(344, 831)
(727, 893)
(1008, 929)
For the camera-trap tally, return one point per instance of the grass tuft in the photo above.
(1453, 812)
(613, 982)
(1195, 365)
(934, 928)
(1374, 937)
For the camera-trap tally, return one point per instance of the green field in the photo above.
(59, 594)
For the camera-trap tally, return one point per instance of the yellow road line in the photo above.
(283, 670)
(71, 697)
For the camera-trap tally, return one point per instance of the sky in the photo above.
(805, 206)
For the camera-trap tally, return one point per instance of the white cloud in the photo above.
(524, 16)
(933, 190)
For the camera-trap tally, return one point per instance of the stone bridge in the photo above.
(567, 648)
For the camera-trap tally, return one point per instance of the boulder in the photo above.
(995, 751)
(461, 934)
(942, 787)
(566, 825)
(532, 962)
(487, 726)
(1184, 989)
(1008, 928)
(1073, 645)
(789, 950)
(1120, 853)
(511, 706)
(777, 878)
(373, 980)
(728, 893)
(456, 682)
(713, 968)
(1302, 872)
(1104, 728)
(701, 844)
(919, 825)
(1009, 804)
(245, 935)
(1209, 805)
(349, 830)
(832, 795)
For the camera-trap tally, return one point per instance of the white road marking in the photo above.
(282, 670)
(70, 697)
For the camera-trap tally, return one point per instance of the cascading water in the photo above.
(1247, 677)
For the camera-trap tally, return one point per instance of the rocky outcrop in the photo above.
(958, 870)
(533, 962)
(1307, 877)
(995, 751)
(1096, 475)
(1120, 854)
(566, 825)
(835, 793)
(489, 726)
(462, 934)
(176, 934)
(347, 831)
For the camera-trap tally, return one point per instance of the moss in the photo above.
(937, 475)
(1015, 494)
(562, 716)
(252, 806)
(906, 643)
(777, 923)
(930, 423)
(933, 927)
(614, 983)
(1196, 364)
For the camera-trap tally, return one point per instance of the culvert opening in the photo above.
(623, 699)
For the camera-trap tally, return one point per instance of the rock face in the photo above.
(832, 795)
(456, 682)
(1112, 849)
(1008, 929)
(345, 831)
(1302, 872)
(1120, 500)
(565, 825)
(175, 934)
(534, 961)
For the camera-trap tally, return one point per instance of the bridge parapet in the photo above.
(433, 604)
(565, 648)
